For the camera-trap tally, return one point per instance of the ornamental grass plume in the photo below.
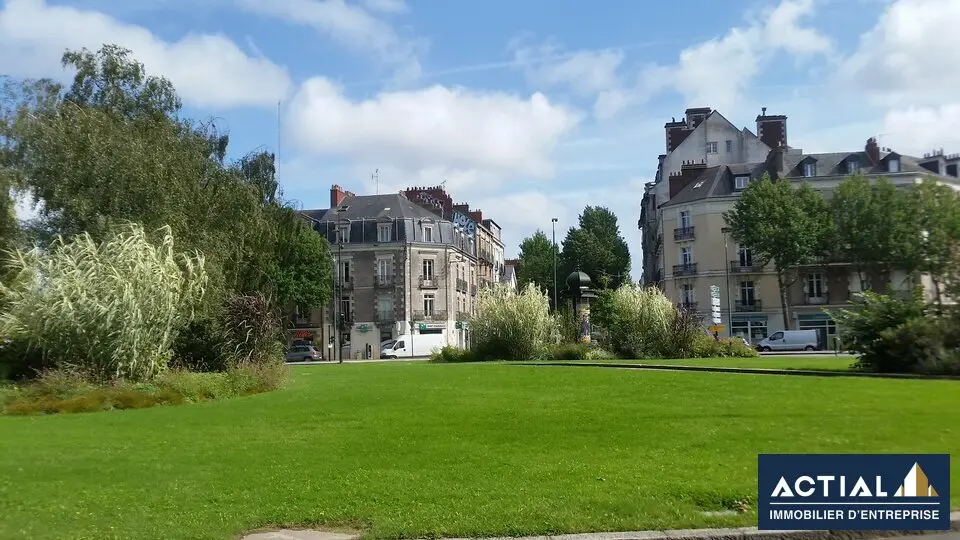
(111, 310)
(511, 325)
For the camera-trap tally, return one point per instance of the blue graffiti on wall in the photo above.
(465, 223)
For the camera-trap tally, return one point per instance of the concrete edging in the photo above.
(755, 371)
(740, 533)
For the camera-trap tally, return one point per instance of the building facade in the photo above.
(693, 250)
(399, 268)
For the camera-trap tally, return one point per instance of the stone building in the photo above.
(399, 268)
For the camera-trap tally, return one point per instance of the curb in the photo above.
(755, 371)
(741, 533)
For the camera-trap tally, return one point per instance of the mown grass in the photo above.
(415, 449)
(817, 363)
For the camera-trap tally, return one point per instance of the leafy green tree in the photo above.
(597, 248)
(933, 217)
(537, 258)
(300, 271)
(783, 226)
(872, 223)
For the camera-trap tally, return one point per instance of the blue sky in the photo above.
(527, 110)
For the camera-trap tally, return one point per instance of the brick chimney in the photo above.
(689, 172)
(463, 208)
(873, 150)
(477, 215)
(675, 133)
(772, 129)
(337, 195)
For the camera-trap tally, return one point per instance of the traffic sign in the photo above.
(714, 291)
(715, 302)
(717, 328)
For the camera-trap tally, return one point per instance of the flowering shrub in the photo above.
(510, 325)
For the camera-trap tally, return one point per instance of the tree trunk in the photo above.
(783, 300)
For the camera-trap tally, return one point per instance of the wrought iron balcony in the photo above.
(435, 315)
(688, 306)
(688, 269)
(462, 285)
(346, 284)
(683, 233)
(737, 267)
(429, 282)
(815, 300)
(383, 282)
(752, 305)
(473, 290)
(386, 317)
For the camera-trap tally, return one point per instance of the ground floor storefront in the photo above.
(754, 327)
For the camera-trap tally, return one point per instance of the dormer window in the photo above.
(810, 169)
(893, 165)
(853, 165)
(741, 182)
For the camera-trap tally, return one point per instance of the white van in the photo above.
(408, 346)
(790, 340)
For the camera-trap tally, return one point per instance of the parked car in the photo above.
(302, 353)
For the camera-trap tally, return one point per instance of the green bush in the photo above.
(508, 325)
(252, 331)
(112, 310)
(864, 323)
(452, 355)
(569, 351)
(647, 325)
(922, 345)
(705, 346)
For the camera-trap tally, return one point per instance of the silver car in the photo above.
(302, 353)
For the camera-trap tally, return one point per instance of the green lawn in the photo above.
(818, 363)
(452, 450)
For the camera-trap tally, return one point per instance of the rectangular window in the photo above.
(815, 285)
(741, 182)
(345, 272)
(853, 166)
(385, 271)
(384, 232)
(686, 294)
(427, 269)
(428, 305)
(428, 234)
(344, 236)
(684, 219)
(729, 146)
(385, 306)
(893, 165)
(303, 314)
(809, 170)
(746, 256)
(747, 293)
(346, 303)
(686, 256)
(712, 147)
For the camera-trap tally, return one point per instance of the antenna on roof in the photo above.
(376, 178)
(443, 185)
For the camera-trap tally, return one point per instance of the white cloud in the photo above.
(387, 6)
(917, 130)
(351, 26)
(909, 56)
(588, 72)
(716, 72)
(207, 70)
(436, 126)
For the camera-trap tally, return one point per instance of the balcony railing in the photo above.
(429, 282)
(435, 315)
(688, 269)
(738, 267)
(383, 282)
(346, 284)
(301, 322)
(752, 305)
(462, 285)
(815, 300)
(688, 306)
(473, 290)
(386, 317)
(683, 233)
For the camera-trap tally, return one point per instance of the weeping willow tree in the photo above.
(111, 309)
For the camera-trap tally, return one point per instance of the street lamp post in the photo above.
(555, 287)
(726, 276)
(338, 317)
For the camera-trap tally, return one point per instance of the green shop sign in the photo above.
(364, 327)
